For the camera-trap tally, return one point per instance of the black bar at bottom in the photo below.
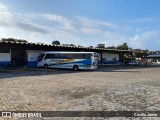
(82, 113)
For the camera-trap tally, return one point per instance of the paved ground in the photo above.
(108, 88)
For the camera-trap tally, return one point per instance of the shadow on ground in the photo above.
(23, 72)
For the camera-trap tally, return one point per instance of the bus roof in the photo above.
(66, 52)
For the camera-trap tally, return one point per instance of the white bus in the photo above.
(70, 60)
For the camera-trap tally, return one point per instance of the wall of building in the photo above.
(154, 60)
(108, 58)
(5, 58)
(99, 57)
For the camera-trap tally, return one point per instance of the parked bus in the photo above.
(70, 60)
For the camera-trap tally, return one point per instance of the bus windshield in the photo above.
(40, 57)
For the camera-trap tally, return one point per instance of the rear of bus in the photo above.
(94, 60)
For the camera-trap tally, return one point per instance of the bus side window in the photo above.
(51, 56)
(47, 56)
(55, 56)
(78, 56)
(69, 56)
(62, 56)
(87, 56)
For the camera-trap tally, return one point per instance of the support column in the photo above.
(101, 57)
(121, 57)
(10, 51)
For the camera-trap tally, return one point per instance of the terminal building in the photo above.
(154, 58)
(26, 54)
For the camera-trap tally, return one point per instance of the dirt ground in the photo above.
(109, 88)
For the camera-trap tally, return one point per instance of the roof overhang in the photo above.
(34, 46)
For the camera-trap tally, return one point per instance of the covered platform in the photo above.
(21, 54)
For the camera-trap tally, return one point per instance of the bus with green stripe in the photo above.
(69, 60)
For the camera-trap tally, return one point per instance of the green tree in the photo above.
(141, 53)
(124, 46)
(13, 40)
(100, 45)
(56, 42)
(72, 45)
(19, 40)
(91, 47)
(8, 40)
(111, 47)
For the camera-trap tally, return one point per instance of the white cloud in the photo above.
(37, 27)
(95, 23)
(57, 27)
(137, 41)
(113, 39)
(31, 27)
(87, 30)
(5, 15)
(142, 20)
(146, 40)
(151, 35)
(65, 22)
(65, 36)
(11, 21)
(25, 26)
(105, 37)
(4, 11)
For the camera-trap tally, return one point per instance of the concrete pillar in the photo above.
(121, 57)
(101, 57)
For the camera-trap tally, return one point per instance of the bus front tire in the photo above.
(75, 67)
(45, 66)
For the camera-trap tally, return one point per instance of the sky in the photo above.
(83, 22)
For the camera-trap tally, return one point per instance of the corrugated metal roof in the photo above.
(157, 55)
(41, 44)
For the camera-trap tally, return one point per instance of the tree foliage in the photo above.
(72, 45)
(124, 46)
(100, 45)
(13, 40)
(111, 47)
(141, 53)
(91, 47)
(56, 42)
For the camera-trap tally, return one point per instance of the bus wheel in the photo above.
(75, 67)
(45, 66)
